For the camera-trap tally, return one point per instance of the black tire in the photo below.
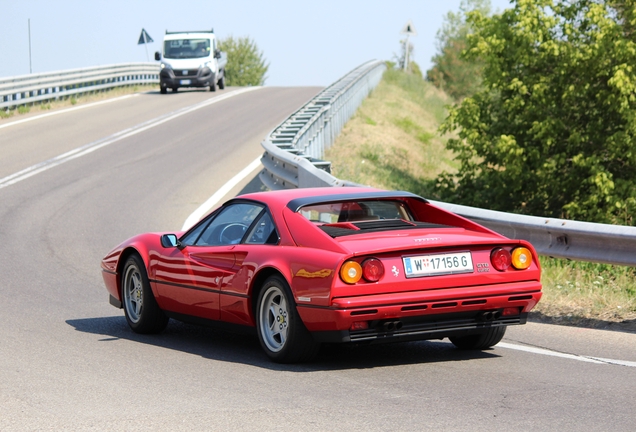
(486, 339)
(281, 332)
(213, 86)
(222, 83)
(140, 307)
(163, 90)
(175, 89)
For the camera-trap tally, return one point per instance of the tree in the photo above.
(552, 131)
(246, 65)
(451, 71)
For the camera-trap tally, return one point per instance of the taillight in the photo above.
(372, 270)
(521, 258)
(350, 272)
(500, 259)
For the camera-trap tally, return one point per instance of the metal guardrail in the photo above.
(560, 238)
(292, 160)
(293, 150)
(27, 89)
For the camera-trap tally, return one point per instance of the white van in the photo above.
(191, 59)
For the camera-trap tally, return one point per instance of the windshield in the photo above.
(186, 48)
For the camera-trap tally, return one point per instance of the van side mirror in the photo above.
(157, 55)
(217, 53)
(170, 241)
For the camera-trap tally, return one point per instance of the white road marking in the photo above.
(543, 351)
(615, 362)
(214, 199)
(62, 111)
(95, 145)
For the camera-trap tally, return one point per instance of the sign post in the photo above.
(144, 38)
(408, 30)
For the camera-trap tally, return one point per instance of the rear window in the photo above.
(356, 211)
(357, 217)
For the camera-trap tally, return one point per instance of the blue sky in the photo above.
(305, 42)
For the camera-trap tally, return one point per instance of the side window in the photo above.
(228, 226)
(263, 231)
(192, 236)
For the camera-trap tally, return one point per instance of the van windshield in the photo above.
(186, 48)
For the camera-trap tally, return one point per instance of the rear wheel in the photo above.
(281, 332)
(175, 89)
(486, 339)
(140, 307)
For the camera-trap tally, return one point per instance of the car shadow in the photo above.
(222, 345)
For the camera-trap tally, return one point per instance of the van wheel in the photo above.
(174, 89)
(213, 86)
(222, 82)
(163, 90)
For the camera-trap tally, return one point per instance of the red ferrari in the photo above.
(311, 266)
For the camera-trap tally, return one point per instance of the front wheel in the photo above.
(486, 339)
(222, 82)
(281, 332)
(140, 307)
(213, 86)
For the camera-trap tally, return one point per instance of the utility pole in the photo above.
(30, 67)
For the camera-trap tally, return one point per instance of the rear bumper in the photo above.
(422, 314)
(420, 328)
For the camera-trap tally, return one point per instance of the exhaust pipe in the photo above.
(489, 316)
(390, 326)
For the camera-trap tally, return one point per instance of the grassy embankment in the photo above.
(75, 100)
(392, 142)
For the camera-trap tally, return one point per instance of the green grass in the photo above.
(392, 143)
(587, 291)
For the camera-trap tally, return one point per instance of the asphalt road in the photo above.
(69, 362)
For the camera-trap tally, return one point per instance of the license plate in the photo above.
(185, 82)
(437, 264)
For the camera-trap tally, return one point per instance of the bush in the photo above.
(452, 71)
(552, 131)
(245, 64)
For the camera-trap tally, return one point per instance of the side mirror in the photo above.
(157, 55)
(170, 241)
(217, 53)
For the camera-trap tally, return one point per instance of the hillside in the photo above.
(392, 143)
